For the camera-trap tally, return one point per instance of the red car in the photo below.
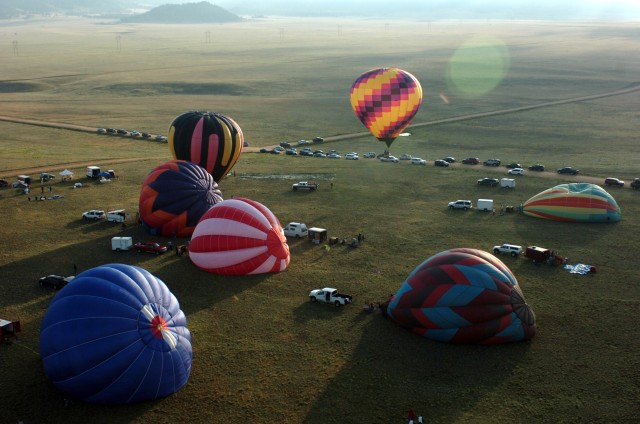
(150, 247)
(471, 161)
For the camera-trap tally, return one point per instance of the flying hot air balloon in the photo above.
(463, 296)
(211, 140)
(116, 335)
(237, 237)
(386, 100)
(174, 196)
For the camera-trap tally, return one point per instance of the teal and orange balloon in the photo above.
(386, 100)
(208, 139)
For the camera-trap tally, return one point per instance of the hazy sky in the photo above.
(436, 9)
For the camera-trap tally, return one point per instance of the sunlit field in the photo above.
(261, 351)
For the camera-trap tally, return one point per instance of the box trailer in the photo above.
(121, 243)
(317, 235)
(93, 171)
(507, 182)
(485, 204)
(116, 216)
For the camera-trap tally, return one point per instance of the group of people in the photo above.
(413, 419)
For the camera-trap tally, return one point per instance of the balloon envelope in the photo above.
(575, 202)
(174, 196)
(116, 335)
(209, 139)
(386, 100)
(463, 296)
(237, 237)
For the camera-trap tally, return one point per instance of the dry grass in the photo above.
(261, 351)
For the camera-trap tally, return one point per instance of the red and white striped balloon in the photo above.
(238, 237)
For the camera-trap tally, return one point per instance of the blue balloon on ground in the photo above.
(116, 335)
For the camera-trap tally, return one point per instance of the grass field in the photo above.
(262, 352)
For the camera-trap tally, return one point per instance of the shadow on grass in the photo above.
(393, 370)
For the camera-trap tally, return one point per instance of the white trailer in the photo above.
(485, 205)
(93, 171)
(121, 243)
(116, 216)
(507, 182)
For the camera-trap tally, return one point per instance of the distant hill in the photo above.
(189, 13)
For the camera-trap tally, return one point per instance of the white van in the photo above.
(296, 229)
(121, 243)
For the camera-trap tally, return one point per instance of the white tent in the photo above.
(66, 174)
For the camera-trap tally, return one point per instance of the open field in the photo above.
(262, 352)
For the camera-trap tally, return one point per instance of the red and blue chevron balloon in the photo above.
(174, 196)
(237, 237)
(386, 100)
(211, 140)
(463, 296)
(116, 335)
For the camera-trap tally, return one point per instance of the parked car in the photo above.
(510, 249)
(537, 167)
(135, 133)
(330, 295)
(122, 131)
(449, 159)
(418, 161)
(460, 204)
(306, 153)
(513, 165)
(319, 155)
(613, 182)
(369, 155)
(441, 162)
(516, 171)
(94, 214)
(101, 131)
(405, 157)
(488, 182)
(276, 151)
(55, 281)
(264, 150)
(635, 183)
(334, 155)
(161, 138)
(303, 142)
(492, 162)
(568, 170)
(471, 161)
(150, 247)
(111, 131)
(389, 159)
(4, 183)
(146, 135)
(318, 140)
(291, 152)
(351, 156)
(285, 144)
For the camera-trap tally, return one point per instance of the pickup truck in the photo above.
(304, 185)
(510, 249)
(329, 295)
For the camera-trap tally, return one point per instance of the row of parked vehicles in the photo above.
(133, 134)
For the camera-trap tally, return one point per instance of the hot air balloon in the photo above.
(116, 335)
(239, 236)
(386, 100)
(463, 296)
(575, 202)
(209, 139)
(174, 196)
